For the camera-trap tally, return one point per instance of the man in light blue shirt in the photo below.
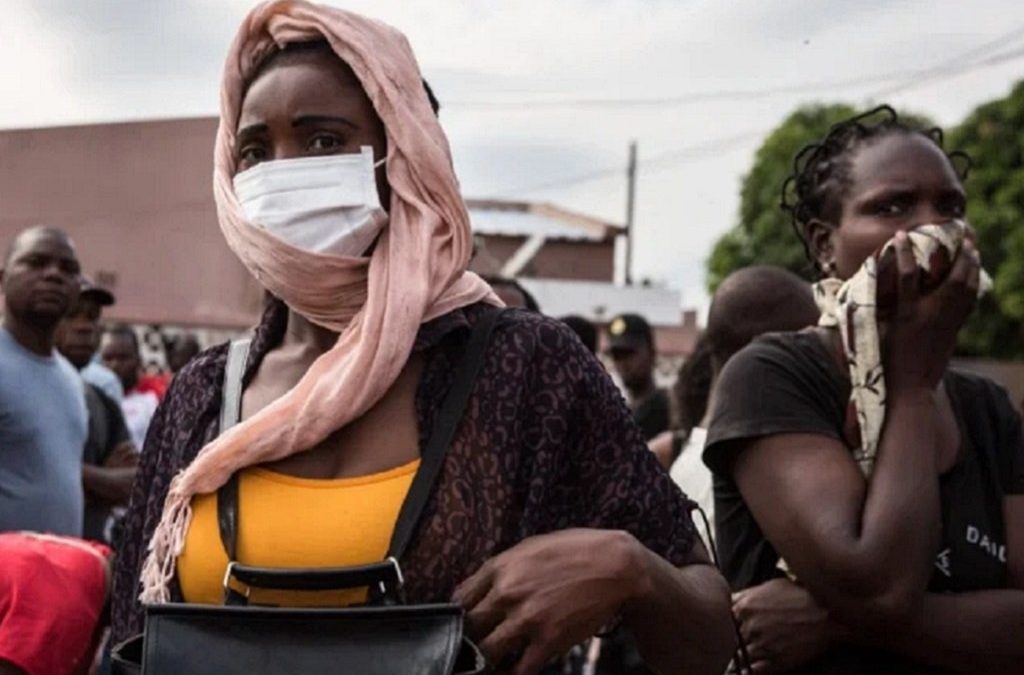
(43, 418)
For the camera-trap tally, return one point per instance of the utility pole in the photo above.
(630, 208)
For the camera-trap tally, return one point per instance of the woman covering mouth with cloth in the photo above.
(852, 464)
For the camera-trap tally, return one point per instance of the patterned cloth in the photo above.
(855, 306)
(547, 443)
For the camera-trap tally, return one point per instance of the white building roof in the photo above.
(528, 219)
(600, 302)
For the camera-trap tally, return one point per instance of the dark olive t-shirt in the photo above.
(652, 415)
(790, 383)
(107, 431)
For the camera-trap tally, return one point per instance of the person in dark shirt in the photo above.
(584, 329)
(181, 350)
(918, 567)
(513, 293)
(631, 346)
(109, 457)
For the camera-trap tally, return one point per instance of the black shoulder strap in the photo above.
(230, 414)
(445, 425)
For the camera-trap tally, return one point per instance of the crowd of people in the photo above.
(819, 492)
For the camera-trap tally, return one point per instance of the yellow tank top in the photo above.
(292, 522)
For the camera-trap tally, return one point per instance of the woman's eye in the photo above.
(955, 209)
(324, 143)
(892, 208)
(251, 155)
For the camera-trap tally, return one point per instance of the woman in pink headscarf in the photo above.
(549, 519)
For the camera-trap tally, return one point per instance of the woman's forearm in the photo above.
(108, 485)
(681, 617)
(885, 566)
(977, 632)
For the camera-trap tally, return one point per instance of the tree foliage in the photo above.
(764, 234)
(993, 135)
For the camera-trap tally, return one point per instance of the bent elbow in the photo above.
(878, 609)
(894, 609)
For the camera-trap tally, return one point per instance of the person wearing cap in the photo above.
(631, 347)
(109, 457)
(43, 419)
(95, 372)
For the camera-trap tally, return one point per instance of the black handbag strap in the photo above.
(445, 425)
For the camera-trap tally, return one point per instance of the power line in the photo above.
(947, 71)
(904, 79)
(654, 163)
(956, 66)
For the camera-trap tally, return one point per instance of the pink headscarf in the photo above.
(416, 272)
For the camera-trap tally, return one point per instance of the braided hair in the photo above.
(821, 170)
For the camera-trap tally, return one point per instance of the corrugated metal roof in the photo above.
(521, 224)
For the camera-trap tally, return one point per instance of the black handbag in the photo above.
(384, 637)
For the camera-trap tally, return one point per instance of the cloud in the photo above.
(70, 62)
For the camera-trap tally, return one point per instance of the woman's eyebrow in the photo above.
(258, 128)
(886, 191)
(312, 120)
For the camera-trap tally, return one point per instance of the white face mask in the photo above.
(326, 204)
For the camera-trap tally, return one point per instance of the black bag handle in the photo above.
(383, 578)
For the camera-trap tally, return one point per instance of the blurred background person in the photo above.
(631, 347)
(586, 330)
(109, 456)
(120, 350)
(182, 349)
(95, 372)
(748, 303)
(513, 293)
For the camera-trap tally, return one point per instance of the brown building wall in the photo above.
(492, 252)
(576, 260)
(137, 199)
(579, 260)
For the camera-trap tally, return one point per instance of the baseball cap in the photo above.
(88, 288)
(629, 331)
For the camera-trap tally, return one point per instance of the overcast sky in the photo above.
(517, 80)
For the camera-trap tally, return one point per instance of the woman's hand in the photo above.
(921, 333)
(533, 602)
(782, 626)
